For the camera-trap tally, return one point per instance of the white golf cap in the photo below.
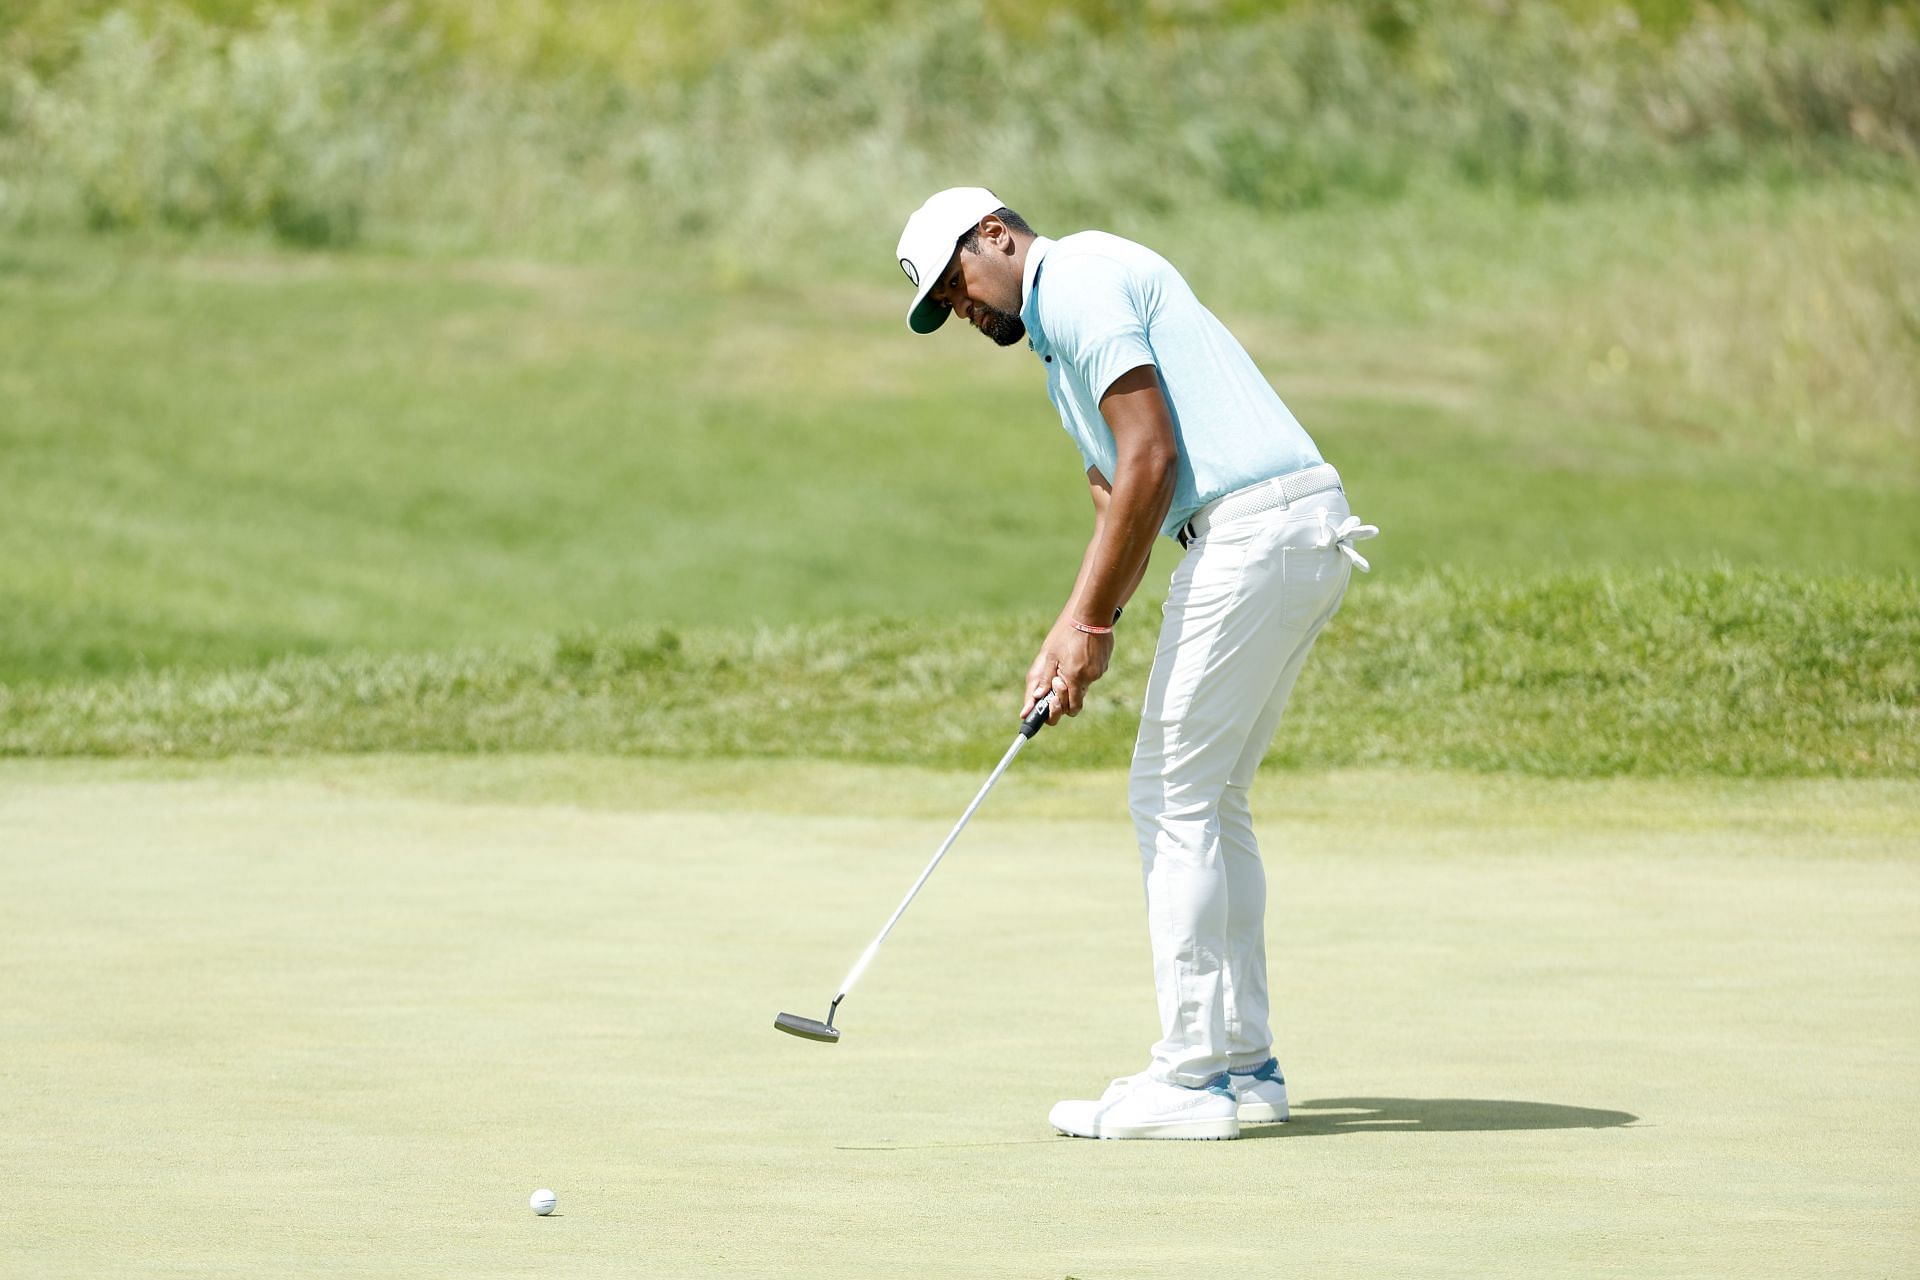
(927, 244)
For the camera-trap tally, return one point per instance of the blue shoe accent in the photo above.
(1268, 1070)
(1221, 1085)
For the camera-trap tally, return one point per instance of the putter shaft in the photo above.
(1035, 721)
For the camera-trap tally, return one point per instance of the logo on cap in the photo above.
(913, 277)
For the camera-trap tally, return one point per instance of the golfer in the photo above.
(1182, 436)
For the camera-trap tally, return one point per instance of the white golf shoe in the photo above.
(1141, 1107)
(1262, 1093)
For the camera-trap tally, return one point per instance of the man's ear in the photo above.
(996, 233)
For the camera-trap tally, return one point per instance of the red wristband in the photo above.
(1092, 631)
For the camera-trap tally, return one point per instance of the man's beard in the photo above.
(1005, 329)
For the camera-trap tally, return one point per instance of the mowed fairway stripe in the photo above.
(264, 1021)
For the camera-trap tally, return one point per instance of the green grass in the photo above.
(497, 614)
(1655, 416)
(1677, 674)
(214, 457)
(540, 124)
(335, 1020)
(600, 35)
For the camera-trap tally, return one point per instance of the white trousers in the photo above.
(1244, 608)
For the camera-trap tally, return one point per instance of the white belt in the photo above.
(1281, 491)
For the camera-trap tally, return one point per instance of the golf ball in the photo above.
(542, 1202)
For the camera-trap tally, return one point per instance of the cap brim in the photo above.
(926, 315)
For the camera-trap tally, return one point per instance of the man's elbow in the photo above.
(1153, 464)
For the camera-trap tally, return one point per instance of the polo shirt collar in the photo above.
(1029, 278)
(1036, 252)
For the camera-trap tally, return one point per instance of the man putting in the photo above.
(1182, 436)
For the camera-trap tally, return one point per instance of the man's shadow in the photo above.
(1433, 1115)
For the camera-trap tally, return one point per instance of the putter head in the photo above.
(806, 1028)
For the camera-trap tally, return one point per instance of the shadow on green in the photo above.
(1375, 1115)
(1434, 1115)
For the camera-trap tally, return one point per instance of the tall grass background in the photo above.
(400, 125)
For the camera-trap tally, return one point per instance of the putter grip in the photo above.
(1037, 718)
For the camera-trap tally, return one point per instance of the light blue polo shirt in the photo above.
(1096, 306)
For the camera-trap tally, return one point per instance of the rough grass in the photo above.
(1563, 296)
(608, 37)
(331, 132)
(1674, 673)
(219, 456)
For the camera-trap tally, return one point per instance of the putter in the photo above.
(825, 1032)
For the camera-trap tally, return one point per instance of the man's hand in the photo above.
(1068, 662)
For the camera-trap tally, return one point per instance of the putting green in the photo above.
(341, 1017)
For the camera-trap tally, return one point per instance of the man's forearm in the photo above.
(1122, 542)
(1070, 609)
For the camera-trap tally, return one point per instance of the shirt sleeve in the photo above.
(1096, 320)
(1087, 461)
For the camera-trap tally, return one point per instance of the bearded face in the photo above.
(982, 284)
(1004, 328)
